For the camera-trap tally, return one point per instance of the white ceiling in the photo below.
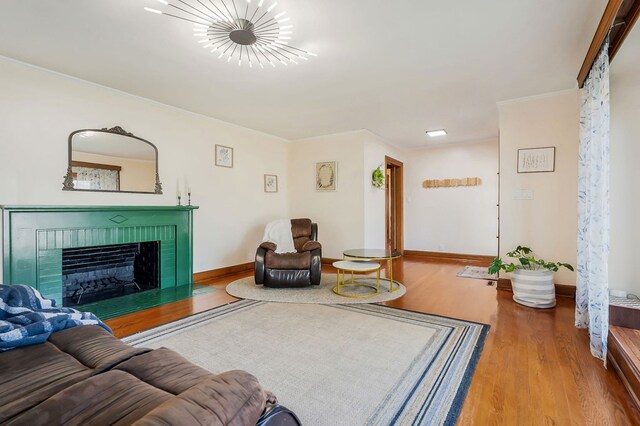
(396, 68)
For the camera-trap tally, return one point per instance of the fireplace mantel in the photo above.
(34, 236)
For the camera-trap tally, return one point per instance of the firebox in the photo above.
(91, 274)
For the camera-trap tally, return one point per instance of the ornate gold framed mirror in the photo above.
(111, 160)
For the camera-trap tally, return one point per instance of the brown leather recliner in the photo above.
(300, 269)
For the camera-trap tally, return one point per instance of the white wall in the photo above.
(625, 181)
(547, 223)
(453, 220)
(375, 150)
(38, 110)
(338, 213)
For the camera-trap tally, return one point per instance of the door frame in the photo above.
(399, 197)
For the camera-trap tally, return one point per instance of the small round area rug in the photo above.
(246, 288)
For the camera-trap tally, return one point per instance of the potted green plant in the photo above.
(377, 178)
(531, 278)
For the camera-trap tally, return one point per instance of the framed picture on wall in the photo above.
(270, 183)
(537, 160)
(326, 176)
(224, 156)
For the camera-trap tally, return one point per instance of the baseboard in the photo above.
(451, 256)
(562, 290)
(221, 272)
(504, 284)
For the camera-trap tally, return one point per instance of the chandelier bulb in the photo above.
(272, 6)
(148, 9)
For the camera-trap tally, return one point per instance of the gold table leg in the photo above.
(340, 283)
(391, 282)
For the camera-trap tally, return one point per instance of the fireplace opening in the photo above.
(91, 274)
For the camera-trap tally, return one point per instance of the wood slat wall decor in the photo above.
(451, 183)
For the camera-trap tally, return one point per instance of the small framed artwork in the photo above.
(270, 183)
(326, 176)
(537, 160)
(224, 156)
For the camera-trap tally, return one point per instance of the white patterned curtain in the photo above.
(592, 296)
(90, 178)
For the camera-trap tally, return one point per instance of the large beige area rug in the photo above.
(337, 364)
(246, 288)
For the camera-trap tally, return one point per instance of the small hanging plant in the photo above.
(377, 178)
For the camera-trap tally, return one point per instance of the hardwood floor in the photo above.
(536, 367)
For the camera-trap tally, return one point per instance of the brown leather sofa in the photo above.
(300, 269)
(84, 375)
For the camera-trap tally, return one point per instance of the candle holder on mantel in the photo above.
(179, 200)
(189, 194)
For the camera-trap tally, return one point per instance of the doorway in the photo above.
(394, 219)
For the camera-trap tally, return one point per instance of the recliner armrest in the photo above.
(268, 245)
(311, 245)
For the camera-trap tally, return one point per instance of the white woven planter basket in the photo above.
(534, 288)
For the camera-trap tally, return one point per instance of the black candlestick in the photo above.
(189, 194)
(179, 198)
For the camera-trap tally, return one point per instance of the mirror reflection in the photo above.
(111, 160)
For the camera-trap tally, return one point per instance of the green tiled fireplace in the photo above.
(34, 237)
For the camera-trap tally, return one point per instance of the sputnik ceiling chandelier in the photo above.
(249, 35)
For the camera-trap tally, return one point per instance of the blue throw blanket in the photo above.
(27, 318)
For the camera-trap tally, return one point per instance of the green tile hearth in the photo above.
(118, 306)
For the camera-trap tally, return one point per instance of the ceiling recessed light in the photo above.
(434, 133)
